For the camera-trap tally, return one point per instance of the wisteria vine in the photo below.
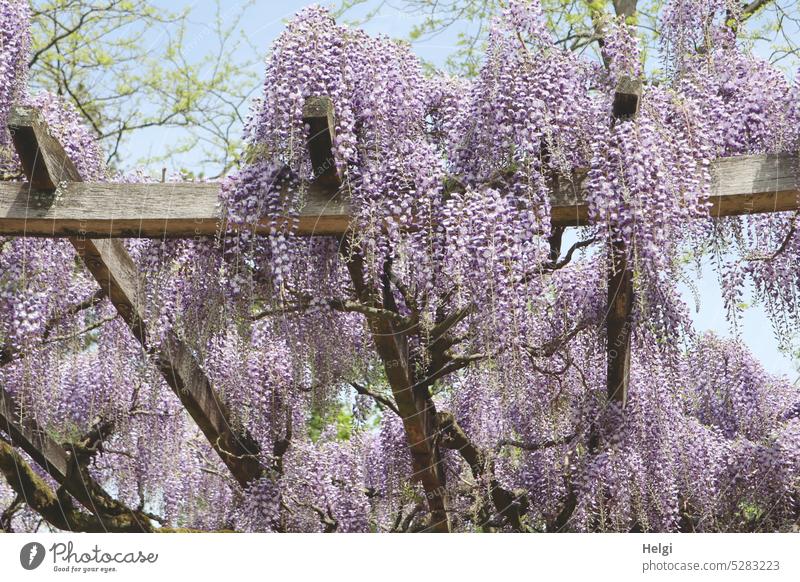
(452, 250)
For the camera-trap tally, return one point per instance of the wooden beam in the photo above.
(44, 161)
(618, 324)
(627, 98)
(620, 276)
(26, 434)
(118, 276)
(32, 438)
(158, 210)
(319, 115)
(741, 185)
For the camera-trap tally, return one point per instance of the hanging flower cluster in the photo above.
(14, 45)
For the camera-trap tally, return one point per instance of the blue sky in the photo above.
(264, 22)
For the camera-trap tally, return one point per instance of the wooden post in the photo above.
(620, 277)
(627, 98)
(318, 114)
(46, 162)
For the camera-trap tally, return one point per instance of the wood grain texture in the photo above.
(627, 97)
(741, 185)
(118, 276)
(415, 406)
(43, 159)
(145, 211)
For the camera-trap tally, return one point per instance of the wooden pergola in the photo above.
(56, 203)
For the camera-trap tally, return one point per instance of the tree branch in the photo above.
(342, 305)
(784, 245)
(381, 399)
(510, 505)
(533, 447)
(548, 349)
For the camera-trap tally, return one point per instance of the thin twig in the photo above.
(363, 390)
(533, 447)
(81, 332)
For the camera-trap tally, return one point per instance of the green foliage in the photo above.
(751, 513)
(773, 26)
(341, 418)
(129, 66)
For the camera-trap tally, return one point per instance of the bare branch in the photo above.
(533, 447)
(783, 246)
(548, 349)
(363, 390)
(342, 305)
(79, 333)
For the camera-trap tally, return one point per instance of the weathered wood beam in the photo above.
(741, 185)
(113, 268)
(157, 210)
(627, 98)
(319, 115)
(32, 438)
(620, 276)
(63, 466)
(43, 160)
(106, 514)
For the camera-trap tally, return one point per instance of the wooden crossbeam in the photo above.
(47, 165)
(57, 204)
(742, 185)
(158, 210)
